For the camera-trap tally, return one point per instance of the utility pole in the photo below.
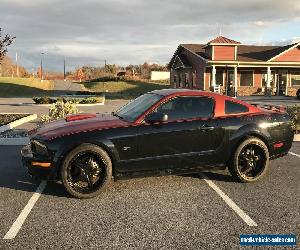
(65, 69)
(17, 67)
(42, 78)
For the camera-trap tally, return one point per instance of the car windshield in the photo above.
(132, 110)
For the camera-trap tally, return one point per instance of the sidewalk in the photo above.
(274, 100)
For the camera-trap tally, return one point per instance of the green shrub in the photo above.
(76, 100)
(43, 100)
(107, 79)
(294, 113)
(91, 100)
(60, 110)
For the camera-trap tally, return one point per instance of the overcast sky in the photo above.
(134, 31)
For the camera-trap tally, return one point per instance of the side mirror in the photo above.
(156, 117)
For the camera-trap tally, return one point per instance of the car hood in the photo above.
(77, 123)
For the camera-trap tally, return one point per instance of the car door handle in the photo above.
(206, 128)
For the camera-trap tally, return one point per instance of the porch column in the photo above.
(268, 77)
(213, 76)
(268, 91)
(287, 83)
(235, 81)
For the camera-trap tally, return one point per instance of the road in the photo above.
(172, 212)
(274, 100)
(60, 85)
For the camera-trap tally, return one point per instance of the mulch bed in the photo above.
(8, 118)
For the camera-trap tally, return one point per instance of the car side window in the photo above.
(234, 108)
(187, 107)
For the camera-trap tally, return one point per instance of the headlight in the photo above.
(39, 148)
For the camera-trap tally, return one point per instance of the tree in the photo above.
(5, 41)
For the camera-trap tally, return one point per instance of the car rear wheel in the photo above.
(298, 94)
(86, 171)
(250, 160)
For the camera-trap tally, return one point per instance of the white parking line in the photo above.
(230, 202)
(291, 153)
(15, 228)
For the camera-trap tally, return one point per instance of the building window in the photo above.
(175, 79)
(186, 79)
(295, 78)
(246, 78)
(194, 79)
(179, 80)
(219, 77)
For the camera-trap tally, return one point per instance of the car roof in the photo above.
(219, 98)
(181, 91)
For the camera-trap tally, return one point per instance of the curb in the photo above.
(48, 105)
(19, 122)
(14, 141)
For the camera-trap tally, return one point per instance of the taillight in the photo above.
(278, 145)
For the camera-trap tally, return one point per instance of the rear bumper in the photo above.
(44, 173)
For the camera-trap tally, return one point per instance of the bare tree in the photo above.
(5, 41)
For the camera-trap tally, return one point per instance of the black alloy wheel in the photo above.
(86, 171)
(250, 160)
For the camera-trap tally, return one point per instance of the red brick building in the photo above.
(248, 69)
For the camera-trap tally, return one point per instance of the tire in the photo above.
(298, 94)
(250, 160)
(86, 171)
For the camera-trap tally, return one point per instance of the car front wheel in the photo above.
(250, 160)
(86, 171)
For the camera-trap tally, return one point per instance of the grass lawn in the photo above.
(24, 87)
(124, 89)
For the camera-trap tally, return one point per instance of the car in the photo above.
(169, 131)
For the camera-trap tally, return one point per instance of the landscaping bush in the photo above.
(107, 79)
(43, 100)
(294, 113)
(60, 110)
(91, 100)
(65, 99)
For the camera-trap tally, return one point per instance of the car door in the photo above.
(188, 138)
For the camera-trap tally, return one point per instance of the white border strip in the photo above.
(292, 153)
(230, 202)
(15, 228)
(19, 122)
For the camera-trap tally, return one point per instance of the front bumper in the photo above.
(44, 173)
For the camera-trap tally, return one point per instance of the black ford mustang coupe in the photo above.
(171, 131)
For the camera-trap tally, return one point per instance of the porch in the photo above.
(243, 80)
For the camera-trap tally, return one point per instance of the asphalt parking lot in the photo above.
(172, 212)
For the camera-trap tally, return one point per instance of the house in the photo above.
(235, 68)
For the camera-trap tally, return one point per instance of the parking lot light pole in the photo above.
(65, 69)
(42, 78)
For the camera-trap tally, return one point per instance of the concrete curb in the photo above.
(14, 141)
(48, 105)
(19, 122)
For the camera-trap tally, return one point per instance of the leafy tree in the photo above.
(5, 41)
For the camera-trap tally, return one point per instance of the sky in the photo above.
(87, 32)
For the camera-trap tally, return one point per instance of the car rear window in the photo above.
(234, 108)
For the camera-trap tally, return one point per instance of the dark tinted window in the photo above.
(135, 108)
(187, 107)
(234, 108)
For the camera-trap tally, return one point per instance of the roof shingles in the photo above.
(245, 53)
